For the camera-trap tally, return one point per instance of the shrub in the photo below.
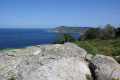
(118, 32)
(63, 37)
(116, 52)
(89, 48)
(89, 61)
(90, 34)
(109, 32)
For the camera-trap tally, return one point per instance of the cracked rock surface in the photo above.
(55, 62)
(105, 67)
(46, 58)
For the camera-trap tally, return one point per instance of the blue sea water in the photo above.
(22, 37)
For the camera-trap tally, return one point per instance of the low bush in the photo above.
(116, 52)
(63, 37)
(88, 47)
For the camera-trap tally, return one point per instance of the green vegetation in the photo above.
(107, 33)
(91, 49)
(63, 37)
(7, 49)
(12, 77)
(113, 79)
(89, 77)
(105, 41)
(103, 47)
(70, 29)
(89, 61)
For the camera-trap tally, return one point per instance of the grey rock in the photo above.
(117, 56)
(105, 67)
(54, 69)
(75, 49)
(12, 61)
(88, 56)
(65, 50)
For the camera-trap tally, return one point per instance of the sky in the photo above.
(54, 13)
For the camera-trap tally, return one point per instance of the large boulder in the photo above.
(11, 60)
(74, 49)
(54, 69)
(65, 50)
(41, 56)
(55, 62)
(105, 67)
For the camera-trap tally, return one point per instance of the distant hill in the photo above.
(70, 29)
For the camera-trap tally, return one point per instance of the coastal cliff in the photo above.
(56, 62)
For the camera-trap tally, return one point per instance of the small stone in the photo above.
(88, 56)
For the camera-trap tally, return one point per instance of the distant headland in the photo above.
(66, 29)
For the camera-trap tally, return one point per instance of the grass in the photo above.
(7, 49)
(89, 77)
(88, 47)
(103, 47)
(113, 79)
(12, 77)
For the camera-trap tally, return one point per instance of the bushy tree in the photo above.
(107, 33)
(68, 37)
(60, 37)
(64, 37)
(118, 32)
(92, 33)
(110, 31)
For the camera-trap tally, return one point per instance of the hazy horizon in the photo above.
(54, 13)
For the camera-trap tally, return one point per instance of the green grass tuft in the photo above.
(88, 47)
(103, 47)
(89, 77)
(7, 49)
(12, 77)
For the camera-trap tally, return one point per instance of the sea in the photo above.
(23, 37)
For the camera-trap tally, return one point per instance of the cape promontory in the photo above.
(66, 29)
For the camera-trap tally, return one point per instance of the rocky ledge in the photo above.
(56, 62)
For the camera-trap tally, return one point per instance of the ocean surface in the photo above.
(22, 37)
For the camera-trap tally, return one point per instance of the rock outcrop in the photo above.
(88, 56)
(105, 67)
(67, 60)
(54, 69)
(56, 62)
(11, 60)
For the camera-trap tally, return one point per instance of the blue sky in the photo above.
(53, 13)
